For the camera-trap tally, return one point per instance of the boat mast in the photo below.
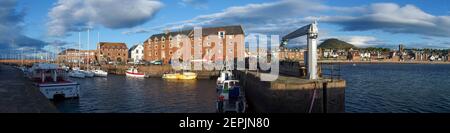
(79, 48)
(87, 55)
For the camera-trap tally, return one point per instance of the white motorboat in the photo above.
(50, 79)
(87, 74)
(133, 72)
(100, 73)
(76, 74)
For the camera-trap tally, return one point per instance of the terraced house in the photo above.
(161, 47)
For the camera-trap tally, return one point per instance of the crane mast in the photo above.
(311, 31)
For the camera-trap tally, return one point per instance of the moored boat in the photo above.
(188, 75)
(100, 73)
(50, 79)
(230, 97)
(182, 76)
(87, 74)
(76, 74)
(171, 76)
(224, 75)
(133, 72)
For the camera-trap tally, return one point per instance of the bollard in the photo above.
(324, 97)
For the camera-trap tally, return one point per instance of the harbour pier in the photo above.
(18, 95)
(289, 94)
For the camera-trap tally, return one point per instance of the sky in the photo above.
(52, 25)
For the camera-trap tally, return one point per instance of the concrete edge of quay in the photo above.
(285, 96)
(19, 95)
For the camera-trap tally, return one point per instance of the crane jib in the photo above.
(297, 33)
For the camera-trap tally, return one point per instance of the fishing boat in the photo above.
(50, 79)
(224, 75)
(230, 97)
(100, 73)
(133, 72)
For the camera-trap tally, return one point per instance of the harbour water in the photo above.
(371, 88)
(397, 88)
(119, 94)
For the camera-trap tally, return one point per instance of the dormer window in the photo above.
(221, 34)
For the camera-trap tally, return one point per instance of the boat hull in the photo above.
(88, 74)
(76, 75)
(135, 75)
(190, 76)
(170, 76)
(68, 90)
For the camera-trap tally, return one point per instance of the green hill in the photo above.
(335, 44)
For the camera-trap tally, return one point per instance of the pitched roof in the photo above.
(113, 44)
(229, 30)
(134, 47)
(67, 50)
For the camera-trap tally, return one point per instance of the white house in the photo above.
(136, 53)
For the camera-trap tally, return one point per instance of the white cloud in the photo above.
(11, 28)
(360, 41)
(75, 15)
(392, 18)
(282, 17)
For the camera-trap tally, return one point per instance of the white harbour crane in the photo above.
(311, 33)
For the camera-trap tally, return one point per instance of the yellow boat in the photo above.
(188, 75)
(185, 75)
(171, 76)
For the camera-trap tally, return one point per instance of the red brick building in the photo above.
(115, 52)
(164, 45)
(76, 56)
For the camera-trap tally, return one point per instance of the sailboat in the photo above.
(76, 73)
(99, 72)
(86, 72)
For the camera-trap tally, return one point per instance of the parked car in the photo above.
(156, 62)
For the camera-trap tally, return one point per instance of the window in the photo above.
(156, 53)
(170, 52)
(221, 34)
(163, 45)
(208, 44)
(163, 39)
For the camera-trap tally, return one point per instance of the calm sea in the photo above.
(370, 88)
(397, 87)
